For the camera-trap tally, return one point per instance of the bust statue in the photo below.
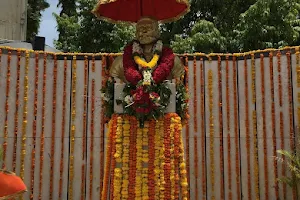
(147, 36)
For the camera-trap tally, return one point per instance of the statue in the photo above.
(147, 38)
(145, 155)
(145, 151)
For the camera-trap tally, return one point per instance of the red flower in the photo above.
(165, 66)
(131, 72)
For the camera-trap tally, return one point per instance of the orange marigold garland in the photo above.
(151, 164)
(273, 124)
(228, 128)
(282, 146)
(195, 96)
(113, 159)
(84, 129)
(236, 127)
(211, 133)
(279, 77)
(16, 114)
(42, 141)
(132, 156)
(254, 120)
(266, 176)
(102, 123)
(167, 161)
(61, 166)
(34, 128)
(221, 127)
(92, 137)
(187, 125)
(290, 90)
(125, 157)
(112, 129)
(247, 128)
(73, 127)
(203, 133)
(25, 112)
(53, 126)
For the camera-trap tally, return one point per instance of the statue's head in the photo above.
(147, 30)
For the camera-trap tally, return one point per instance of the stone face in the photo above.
(118, 94)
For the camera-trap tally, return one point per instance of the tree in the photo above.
(90, 34)
(269, 24)
(205, 37)
(68, 12)
(34, 9)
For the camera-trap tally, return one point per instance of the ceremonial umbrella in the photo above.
(11, 186)
(132, 10)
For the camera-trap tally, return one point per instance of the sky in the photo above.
(48, 23)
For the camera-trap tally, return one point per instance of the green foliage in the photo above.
(91, 35)
(292, 160)
(67, 25)
(268, 24)
(205, 37)
(34, 9)
(210, 26)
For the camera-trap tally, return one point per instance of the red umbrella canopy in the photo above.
(133, 10)
(11, 186)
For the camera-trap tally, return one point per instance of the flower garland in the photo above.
(16, 114)
(221, 127)
(247, 124)
(228, 129)
(25, 112)
(236, 127)
(92, 136)
(53, 127)
(203, 142)
(266, 175)
(42, 140)
(211, 133)
(137, 52)
(61, 167)
(273, 125)
(34, 124)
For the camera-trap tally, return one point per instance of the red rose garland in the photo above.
(162, 71)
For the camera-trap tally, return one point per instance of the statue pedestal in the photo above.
(145, 162)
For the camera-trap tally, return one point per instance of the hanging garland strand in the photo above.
(203, 142)
(42, 140)
(266, 175)
(73, 127)
(25, 112)
(247, 128)
(211, 133)
(53, 126)
(34, 125)
(236, 127)
(61, 166)
(17, 103)
(228, 129)
(254, 120)
(273, 125)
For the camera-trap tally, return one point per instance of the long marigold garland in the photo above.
(211, 133)
(42, 140)
(61, 166)
(53, 127)
(16, 114)
(34, 124)
(228, 128)
(247, 128)
(273, 124)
